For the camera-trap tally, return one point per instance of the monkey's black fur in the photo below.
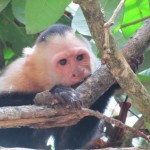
(16, 99)
(52, 31)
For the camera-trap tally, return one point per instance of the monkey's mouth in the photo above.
(76, 85)
(79, 83)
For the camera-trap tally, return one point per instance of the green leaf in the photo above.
(134, 10)
(11, 34)
(18, 8)
(8, 53)
(3, 4)
(79, 23)
(40, 14)
(144, 78)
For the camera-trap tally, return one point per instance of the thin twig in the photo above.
(134, 22)
(117, 123)
(111, 20)
(107, 26)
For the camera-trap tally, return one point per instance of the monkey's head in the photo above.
(70, 60)
(66, 56)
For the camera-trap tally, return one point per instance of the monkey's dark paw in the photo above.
(67, 96)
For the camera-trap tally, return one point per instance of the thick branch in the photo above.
(39, 117)
(96, 24)
(134, 88)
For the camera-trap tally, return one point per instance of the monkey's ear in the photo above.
(27, 51)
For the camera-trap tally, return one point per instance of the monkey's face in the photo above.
(69, 60)
(71, 67)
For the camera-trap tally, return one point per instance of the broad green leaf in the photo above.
(79, 23)
(11, 34)
(134, 10)
(42, 13)
(18, 9)
(3, 4)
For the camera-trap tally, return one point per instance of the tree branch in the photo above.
(96, 23)
(44, 117)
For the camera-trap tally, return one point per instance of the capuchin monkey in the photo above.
(58, 57)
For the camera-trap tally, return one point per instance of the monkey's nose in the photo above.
(74, 75)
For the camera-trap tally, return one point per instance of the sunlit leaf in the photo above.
(144, 78)
(8, 53)
(134, 10)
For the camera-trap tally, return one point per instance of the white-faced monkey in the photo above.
(58, 57)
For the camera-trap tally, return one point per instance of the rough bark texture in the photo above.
(39, 116)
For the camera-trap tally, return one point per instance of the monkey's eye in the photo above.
(63, 62)
(80, 57)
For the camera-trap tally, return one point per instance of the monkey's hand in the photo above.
(59, 96)
(67, 96)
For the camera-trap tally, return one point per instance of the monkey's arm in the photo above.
(16, 99)
(65, 96)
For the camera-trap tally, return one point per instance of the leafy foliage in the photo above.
(19, 18)
(41, 14)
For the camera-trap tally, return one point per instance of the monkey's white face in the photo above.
(69, 60)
